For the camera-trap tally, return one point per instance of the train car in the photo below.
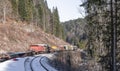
(54, 48)
(4, 57)
(74, 48)
(65, 47)
(68, 47)
(61, 48)
(18, 54)
(39, 48)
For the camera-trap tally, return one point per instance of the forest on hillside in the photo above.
(101, 16)
(34, 12)
(75, 32)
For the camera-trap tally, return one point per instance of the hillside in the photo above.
(26, 22)
(32, 11)
(75, 32)
(17, 36)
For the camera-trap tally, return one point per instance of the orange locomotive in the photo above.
(39, 48)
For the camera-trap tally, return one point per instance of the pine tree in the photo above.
(56, 22)
(22, 10)
(29, 9)
(15, 8)
(99, 26)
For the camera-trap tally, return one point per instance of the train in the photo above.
(37, 49)
(45, 48)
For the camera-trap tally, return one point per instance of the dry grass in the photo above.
(17, 36)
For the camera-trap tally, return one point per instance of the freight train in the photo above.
(45, 48)
(37, 49)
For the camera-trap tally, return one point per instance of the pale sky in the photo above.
(68, 9)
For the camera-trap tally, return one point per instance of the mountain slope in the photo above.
(17, 36)
(75, 31)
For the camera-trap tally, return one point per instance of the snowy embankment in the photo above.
(36, 63)
(13, 65)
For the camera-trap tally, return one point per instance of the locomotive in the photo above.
(39, 48)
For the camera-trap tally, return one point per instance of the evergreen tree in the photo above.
(56, 22)
(40, 12)
(22, 10)
(29, 9)
(15, 7)
(99, 30)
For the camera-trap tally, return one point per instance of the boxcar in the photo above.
(54, 48)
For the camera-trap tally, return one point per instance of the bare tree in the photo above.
(5, 10)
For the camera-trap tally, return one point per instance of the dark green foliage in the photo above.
(15, 6)
(25, 9)
(55, 22)
(40, 12)
(29, 9)
(99, 31)
(75, 33)
(57, 30)
(22, 10)
(62, 32)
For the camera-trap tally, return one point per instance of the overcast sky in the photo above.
(68, 9)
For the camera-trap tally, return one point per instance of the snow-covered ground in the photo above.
(36, 63)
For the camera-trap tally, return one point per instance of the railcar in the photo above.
(39, 48)
(54, 48)
(69, 48)
(61, 48)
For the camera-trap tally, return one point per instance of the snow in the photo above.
(12, 65)
(45, 62)
(37, 66)
(28, 63)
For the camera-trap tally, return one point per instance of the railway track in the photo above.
(42, 64)
(37, 63)
(27, 64)
(44, 61)
(32, 63)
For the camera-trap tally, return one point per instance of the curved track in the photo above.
(32, 62)
(25, 63)
(40, 61)
(28, 63)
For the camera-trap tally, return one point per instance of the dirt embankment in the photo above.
(17, 36)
